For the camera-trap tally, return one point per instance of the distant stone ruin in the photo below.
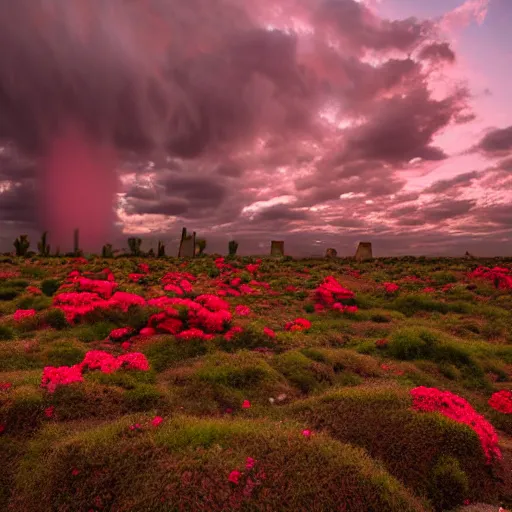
(364, 251)
(331, 253)
(277, 248)
(187, 245)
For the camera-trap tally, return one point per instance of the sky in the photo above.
(334, 122)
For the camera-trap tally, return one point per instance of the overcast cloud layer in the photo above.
(318, 122)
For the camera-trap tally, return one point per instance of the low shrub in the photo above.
(192, 464)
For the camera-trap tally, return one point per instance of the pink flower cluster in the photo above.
(235, 287)
(391, 287)
(454, 407)
(178, 282)
(498, 275)
(121, 334)
(206, 316)
(330, 293)
(299, 324)
(74, 305)
(21, 314)
(502, 401)
(93, 360)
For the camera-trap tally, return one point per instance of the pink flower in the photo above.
(381, 343)
(20, 314)
(234, 476)
(391, 287)
(156, 421)
(242, 310)
(246, 404)
(5, 386)
(126, 345)
(299, 324)
(136, 426)
(306, 433)
(75, 472)
(250, 463)
(456, 408)
(502, 401)
(269, 332)
(49, 411)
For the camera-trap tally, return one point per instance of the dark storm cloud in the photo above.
(437, 52)
(393, 134)
(280, 213)
(17, 203)
(496, 141)
(453, 184)
(168, 206)
(445, 210)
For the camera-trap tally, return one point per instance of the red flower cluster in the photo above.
(454, 407)
(63, 375)
(330, 292)
(391, 287)
(21, 314)
(8, 275)
(499, 276)
(34, 290)
(299, 324)
(502, 401)
(178, 282)
(121, 334)
(205, 316)
(93, 360)
(5, 386)
(104, 289)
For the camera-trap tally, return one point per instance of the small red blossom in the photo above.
(5, 386)
(242, 310)
(246, 404)
(136, 426)
(391, 287)
(269, 332)
(306, 433)
(2, 428)
(21, 314)
(299, 324)
(156, 421)
(234, 476)
(75, 472)
(49, 411)
(249, 464)
(502, 401)
(382, 343)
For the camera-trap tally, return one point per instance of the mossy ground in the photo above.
(368, 450)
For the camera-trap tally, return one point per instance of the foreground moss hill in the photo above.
(147, 384)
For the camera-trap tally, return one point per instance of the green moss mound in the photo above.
(409, 443)
(185, 464)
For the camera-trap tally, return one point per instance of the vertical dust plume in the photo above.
(77, 190)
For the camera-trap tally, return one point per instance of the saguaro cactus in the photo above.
(42, 246)
(21, 244)
(76, 242)
(134, 245)
(107, 251)
(161, 250)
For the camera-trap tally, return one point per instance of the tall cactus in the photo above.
(107, 251)
(43, 247)
(21, 244)
(76, 242)
(232, 247)
(134, 245)
(161, 250)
